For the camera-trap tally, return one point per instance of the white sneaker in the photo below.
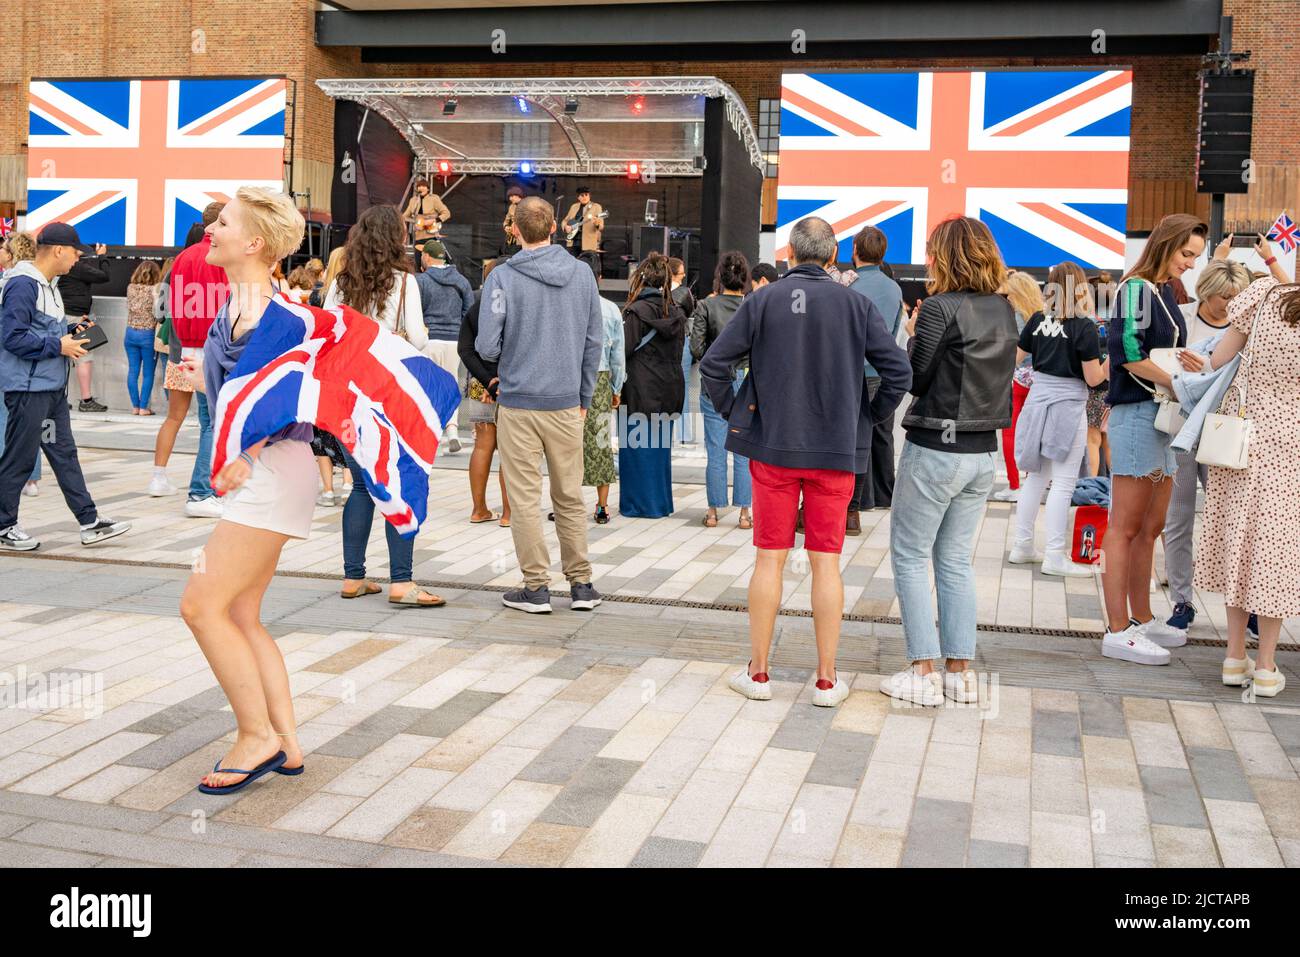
(962, 687)
(1237, 670)
(1061, 566)
(159, 486)
(14, 539)
(1006, 495)
(829, 697)
(1163, 634)
(31, 489)
(1268, 684)
(1021, 555)
(755, 687)
(910, 685)
(209, 507)
(1131, 645)
(326, 500)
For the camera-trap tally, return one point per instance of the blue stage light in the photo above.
(523, 104)
(525, 168)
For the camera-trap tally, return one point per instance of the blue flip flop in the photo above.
(290, 772)
(270, 764)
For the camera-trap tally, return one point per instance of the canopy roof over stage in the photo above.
(570, 125)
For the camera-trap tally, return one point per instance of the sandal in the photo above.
(492, 517)
(745, 521)
(267, 766)
(413, 597)
(365, 588)
(710, 520)
(288, 771)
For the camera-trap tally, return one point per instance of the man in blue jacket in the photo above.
(445, 297)
(36, 343)
(804, 420)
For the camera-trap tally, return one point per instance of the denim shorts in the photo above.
(1137, 448)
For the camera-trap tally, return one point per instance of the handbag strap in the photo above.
(1242, 377)
(400, 328)
(1155, 294)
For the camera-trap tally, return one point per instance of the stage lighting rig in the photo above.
(449, 106)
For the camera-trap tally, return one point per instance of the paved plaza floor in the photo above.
(473, 734)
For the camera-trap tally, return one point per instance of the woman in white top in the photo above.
(376, 280)
(1207, 317)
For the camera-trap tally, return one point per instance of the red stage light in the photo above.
(634, 170)
(444, 168)
(638, 104)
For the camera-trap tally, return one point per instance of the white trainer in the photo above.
(209, 507)
(1237, 670)
(159, 486)
(962, 687)
(1006, 495)
(1163, 634)
(1131, 645)
(1062, 567)
(1268, 684)
(1021, 555)
(829, 697)
(756, 687)
(31, 489)
(911, 685)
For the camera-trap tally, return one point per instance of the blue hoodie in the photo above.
(32, 327)
(445, 297)
(540, 320)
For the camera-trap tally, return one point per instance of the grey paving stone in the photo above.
(572, 665)
(290, 843)
(566, 755)
(451, 714)
(592, 789)
(1102, 715)
(109, 816)
(1286, 728)
(12, 822)
(276, 861)
(938, 834)
(1057, 732)
(182, 742)
(997, 854)
(15, 854)
(1219, 775)
(139, 847)
(350, 745)
(1172, 797)
(169, 720)
(804, 728)
(388, 721)
(411, 857)
(49, 615)
(842, 759)
(668, 852)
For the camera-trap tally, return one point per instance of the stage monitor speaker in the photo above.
(1223, 149)
(650, 239)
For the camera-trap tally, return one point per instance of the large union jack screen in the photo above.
(133, 162)
(1041, 156)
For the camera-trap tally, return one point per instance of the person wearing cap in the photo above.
(585, 243)
(513, 195)
(36, 344)
(445, 297)
(425, 212)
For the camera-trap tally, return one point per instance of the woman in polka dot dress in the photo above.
(1250, 540)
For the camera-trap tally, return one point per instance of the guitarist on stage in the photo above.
(583, 227)
(425, 213)
(514, 194)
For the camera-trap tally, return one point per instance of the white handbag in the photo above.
(1169, 415)
(1225, 439)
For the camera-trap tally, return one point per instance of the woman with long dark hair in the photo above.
(654, 335)
(730, 284)
(376, 281)
(1142, 465)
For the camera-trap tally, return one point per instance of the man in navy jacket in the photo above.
(803, 419)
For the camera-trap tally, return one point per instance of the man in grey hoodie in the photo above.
(445, 297)
(36, 342)
(540, 320)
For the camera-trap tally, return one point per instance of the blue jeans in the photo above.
(4, 421)
(715, 473)
(140, 363)
(938, 504)
(201, 478)
(688, 424)
(358, 517)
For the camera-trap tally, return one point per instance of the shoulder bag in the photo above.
(1169, 417)
(1225, 439)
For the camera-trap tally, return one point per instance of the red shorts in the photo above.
(826, 494)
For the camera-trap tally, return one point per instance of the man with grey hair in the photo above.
(803, 420)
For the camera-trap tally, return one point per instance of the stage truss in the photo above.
(655, 121)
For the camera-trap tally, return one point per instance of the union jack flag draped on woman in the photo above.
(346, 374)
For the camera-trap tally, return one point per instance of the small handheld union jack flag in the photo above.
(7, 226)
(1285, 233)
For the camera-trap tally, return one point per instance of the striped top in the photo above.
(1141, 323)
